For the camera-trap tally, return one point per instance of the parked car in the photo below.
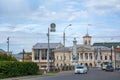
(109, 68)
(117, 69)
(80, 69)
(104, 65)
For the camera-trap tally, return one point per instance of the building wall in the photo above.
(59, 59)
(90, 58)
(42, 63)
(117, 55)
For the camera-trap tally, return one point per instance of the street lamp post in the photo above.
(48, 48)
(8, 44)
(64, 43)
(111, 53)
(52, 29)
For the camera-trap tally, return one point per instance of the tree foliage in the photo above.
(14, 68)
(6, 57)
(26, 53)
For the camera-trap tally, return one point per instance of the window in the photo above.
(61, 64)
(44, 54)
(37, 54)
(91, 56)
(110, 57)
(57, 64)
(89, 42)
(105, 57)
(78, 56)
(61, 57)
(86, 55)
(85, 42)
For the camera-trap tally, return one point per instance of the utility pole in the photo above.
(23, 54)
(8, 44)
(52, 29)
(64, 50)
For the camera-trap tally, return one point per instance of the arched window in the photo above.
(89, 42)
(86, 64)
(90, 64)
(105, 57)
(91, 56)
(86, 55)
(85, 42)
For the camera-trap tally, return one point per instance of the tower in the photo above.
(87, 39)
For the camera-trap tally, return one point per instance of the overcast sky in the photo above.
(26, 21)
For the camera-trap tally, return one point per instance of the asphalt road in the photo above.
(93, 74)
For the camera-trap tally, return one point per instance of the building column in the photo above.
(93, 57)
(88, 56)
(83, 58)
(79, 56)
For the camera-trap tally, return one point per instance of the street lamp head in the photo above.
(70, 25)
(67, 26)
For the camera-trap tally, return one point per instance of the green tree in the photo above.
(7, 57)
(26, 53)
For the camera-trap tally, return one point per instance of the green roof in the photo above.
(107, 44)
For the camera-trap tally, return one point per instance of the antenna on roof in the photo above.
(87, 32)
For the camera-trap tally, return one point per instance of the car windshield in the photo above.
(109, 66)
(79, 67)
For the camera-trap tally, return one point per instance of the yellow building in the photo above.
(117, 57)
(87, 54)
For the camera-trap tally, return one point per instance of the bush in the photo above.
(6, 57)
(13, 69)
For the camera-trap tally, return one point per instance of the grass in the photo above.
(53, 72)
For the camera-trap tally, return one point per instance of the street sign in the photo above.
(52, 25)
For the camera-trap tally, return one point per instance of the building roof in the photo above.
(101, 47)
(108, 44)
(2, 51)
(87, 35)
(45, 45)
(62, 49)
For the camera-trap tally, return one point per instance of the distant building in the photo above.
(2, 51)
(84, 54)
(117, 57)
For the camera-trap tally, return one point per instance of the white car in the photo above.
(80, 69)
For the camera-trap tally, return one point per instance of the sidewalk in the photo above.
(35, 76)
